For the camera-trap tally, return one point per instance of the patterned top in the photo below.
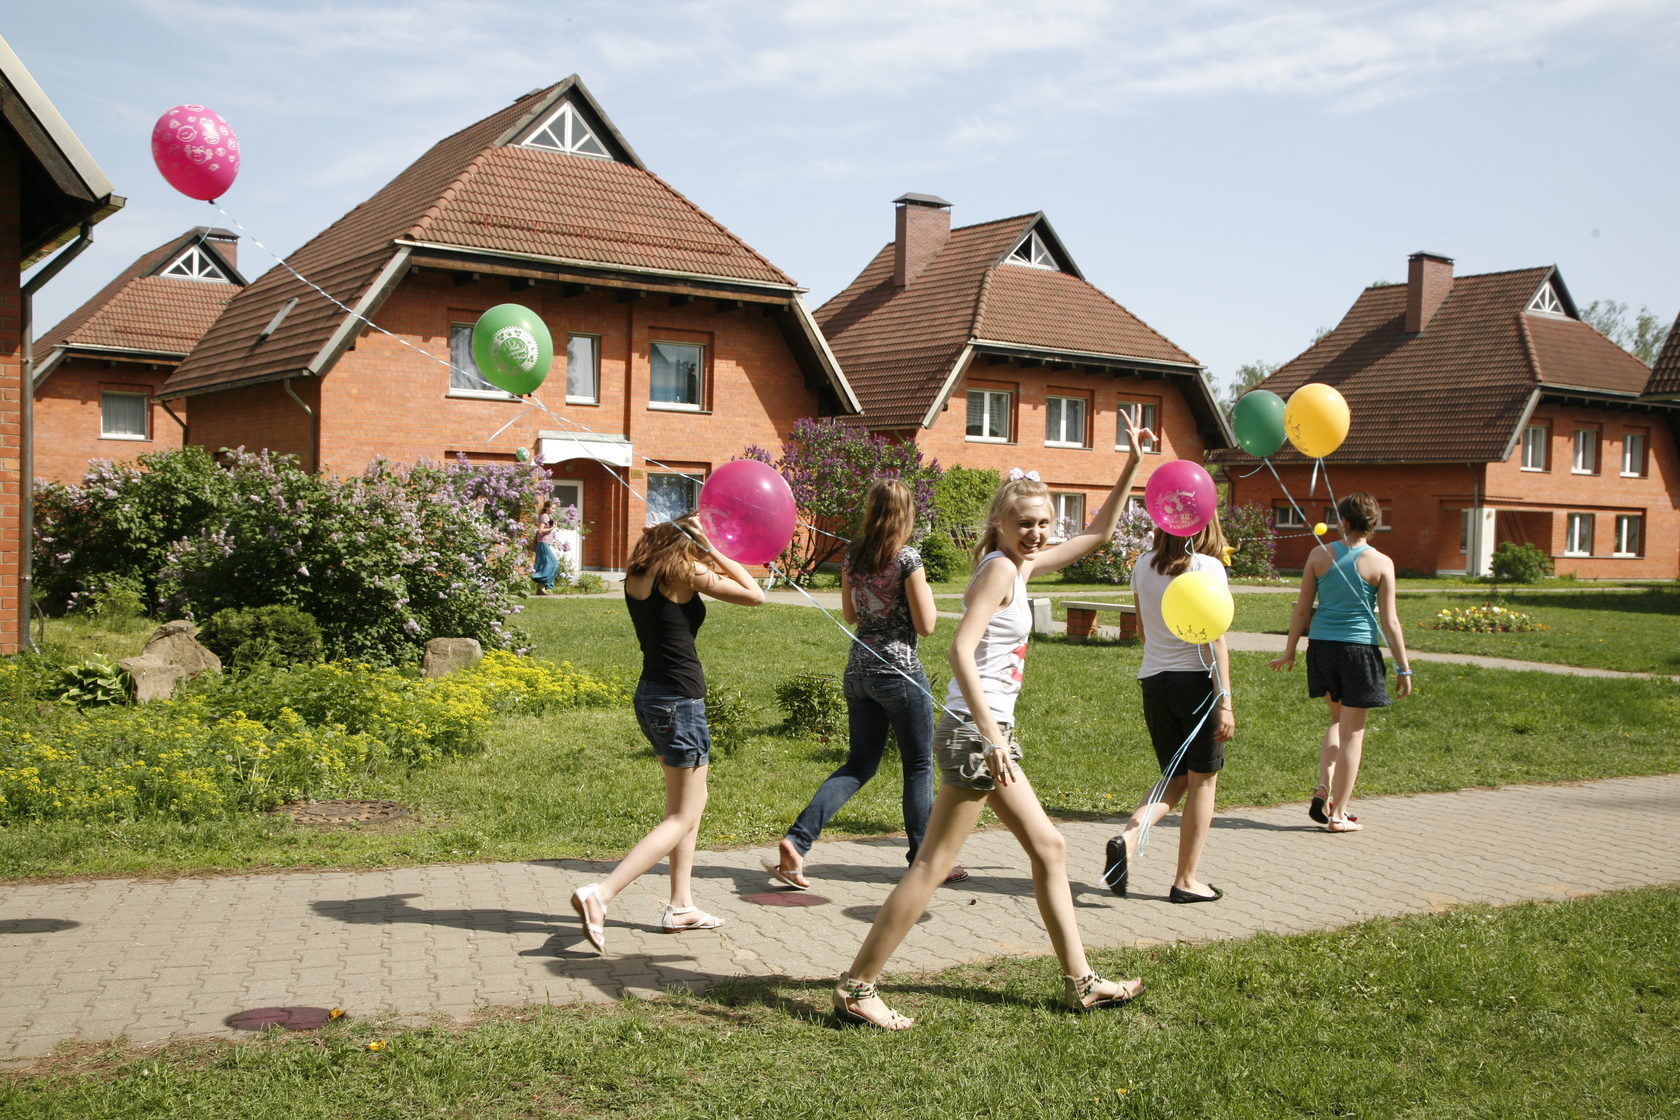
(884, 625)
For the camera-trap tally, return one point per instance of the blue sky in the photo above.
(1233, 171)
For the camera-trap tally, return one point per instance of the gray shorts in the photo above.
(960, 753)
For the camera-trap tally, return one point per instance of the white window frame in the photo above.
(1633, 466)
(145, 400)
(1584, 459)
(995, 406)
(671, 483)
(1546, 302)
(194, 264)
(594, 396)
(1056, 409)
(566, 131)
(699, 402)
(1536, 444)
(1577, 526)
(461, 358)
(1630, 530)
(1069, 510)
(1287, 516)
(1151, 420)
(1034, 253)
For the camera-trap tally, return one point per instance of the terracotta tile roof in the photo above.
(898, 345)
(469, 192)
(144, 313)
(1456, 391)
(1665, 375)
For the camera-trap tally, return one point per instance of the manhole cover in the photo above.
(785, 898)
(344, 812)
(292, 1018)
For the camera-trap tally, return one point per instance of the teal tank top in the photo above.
(1346, 603)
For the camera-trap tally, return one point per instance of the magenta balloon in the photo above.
(1180, 497)
(196, 151)
(747, 510)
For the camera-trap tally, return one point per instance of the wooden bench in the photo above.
(1082, 619)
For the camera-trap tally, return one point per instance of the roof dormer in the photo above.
(1039, 247)
(566, 130)
(1547, 302)
(195, 263)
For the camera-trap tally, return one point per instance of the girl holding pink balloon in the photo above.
(978, 758)
(672, 565)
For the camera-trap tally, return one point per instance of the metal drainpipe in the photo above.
(1475, 535)
(26, 428)
(314, 427)
(175, 418)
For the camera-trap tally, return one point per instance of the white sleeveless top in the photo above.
(1002, 653)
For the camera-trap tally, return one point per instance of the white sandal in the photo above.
(595, 931)
(1081, 993)
(848, 993)
(668, 921)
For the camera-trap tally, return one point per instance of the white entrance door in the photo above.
(569, 542)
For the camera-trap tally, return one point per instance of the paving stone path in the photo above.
(155, 959)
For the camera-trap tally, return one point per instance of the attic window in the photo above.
(566, 132)
(1546, 302)
(195, 264)
(1032, 251)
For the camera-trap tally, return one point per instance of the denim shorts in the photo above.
(675, 725)
(960, 752)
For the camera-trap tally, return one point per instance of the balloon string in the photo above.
(1206, 709)
(1335, 567)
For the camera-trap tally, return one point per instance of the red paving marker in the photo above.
(292, 1018)
(785, 898)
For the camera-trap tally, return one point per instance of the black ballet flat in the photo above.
(1116, 871)
(1179, 895)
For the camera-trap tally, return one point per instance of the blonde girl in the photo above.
(669, 569)
(976, 753)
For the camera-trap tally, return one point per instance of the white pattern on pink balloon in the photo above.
(195, 151)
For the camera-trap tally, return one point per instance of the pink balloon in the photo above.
(1180, 497)
(747, 510)
(196, 151)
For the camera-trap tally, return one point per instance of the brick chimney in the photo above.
(923, 226)
(226, 244)
(1429, 278)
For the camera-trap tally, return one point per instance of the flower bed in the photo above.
(1489, 618)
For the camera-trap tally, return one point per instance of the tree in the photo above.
(1642, 337)
(1248, 375)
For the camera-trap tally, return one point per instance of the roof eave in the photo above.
(958, 368)
(825, 357)
(723, 282)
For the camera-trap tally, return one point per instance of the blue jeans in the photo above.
(675, 724)
(876, 703)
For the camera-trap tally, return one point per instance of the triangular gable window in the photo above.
(1546, 302)
(195, 264)
(566, 131)
(1032, 251)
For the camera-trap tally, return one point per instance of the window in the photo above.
(674, 379)
(1579, 541)
(194, 264)
(464, 380)
(669, 496)
(582, 365)
(988, 415)
(1586, 451)
(1633, 455)
(1149, 413)
(1537, 439)
(1630, 534)
(1385, 517)
(565, 131)
(1070, 514)
(1546, 302)
(1286, 516)
(1064, 421)
(1032, 251)
(123, 415)
(1464, 520)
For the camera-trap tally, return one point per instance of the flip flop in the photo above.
(788, 877)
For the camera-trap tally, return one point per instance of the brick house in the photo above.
(1484, 410)
(676, 344)
(51, 195)
(986, 346)
(98, 372)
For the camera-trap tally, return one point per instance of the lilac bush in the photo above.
(1112, 561)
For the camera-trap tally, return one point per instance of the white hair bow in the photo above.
(1016, 474)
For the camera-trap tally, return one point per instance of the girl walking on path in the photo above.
(546, 564)
(1354, 584)
(1178, 692)
(884, 593)
(669, 569)
(978, 758)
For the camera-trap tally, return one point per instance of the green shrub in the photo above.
(962, 496)
(244, 637)
(1520, 563)
(1248, 529)
(584, 583)
(813, 704)
(93, 683)
(941, 557)
(115, 597)
(730, 716)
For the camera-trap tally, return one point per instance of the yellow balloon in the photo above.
(1316, 419)
(1197, 607)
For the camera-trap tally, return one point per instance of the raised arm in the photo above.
(985, 595)
(1101, 528)
(719, 576)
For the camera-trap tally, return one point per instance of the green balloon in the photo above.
(1258, 422)
(512, 348)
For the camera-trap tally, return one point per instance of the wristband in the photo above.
(1402, 672)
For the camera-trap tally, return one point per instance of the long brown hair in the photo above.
(666, 554)
(1003, 503)
(1171, 558)
(889, 517)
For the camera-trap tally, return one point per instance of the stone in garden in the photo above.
(153, 678)
(448, 655)
(174, 643)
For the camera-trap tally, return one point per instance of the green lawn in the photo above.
(1565, 1009)
(1635, 631)
(582, 784)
